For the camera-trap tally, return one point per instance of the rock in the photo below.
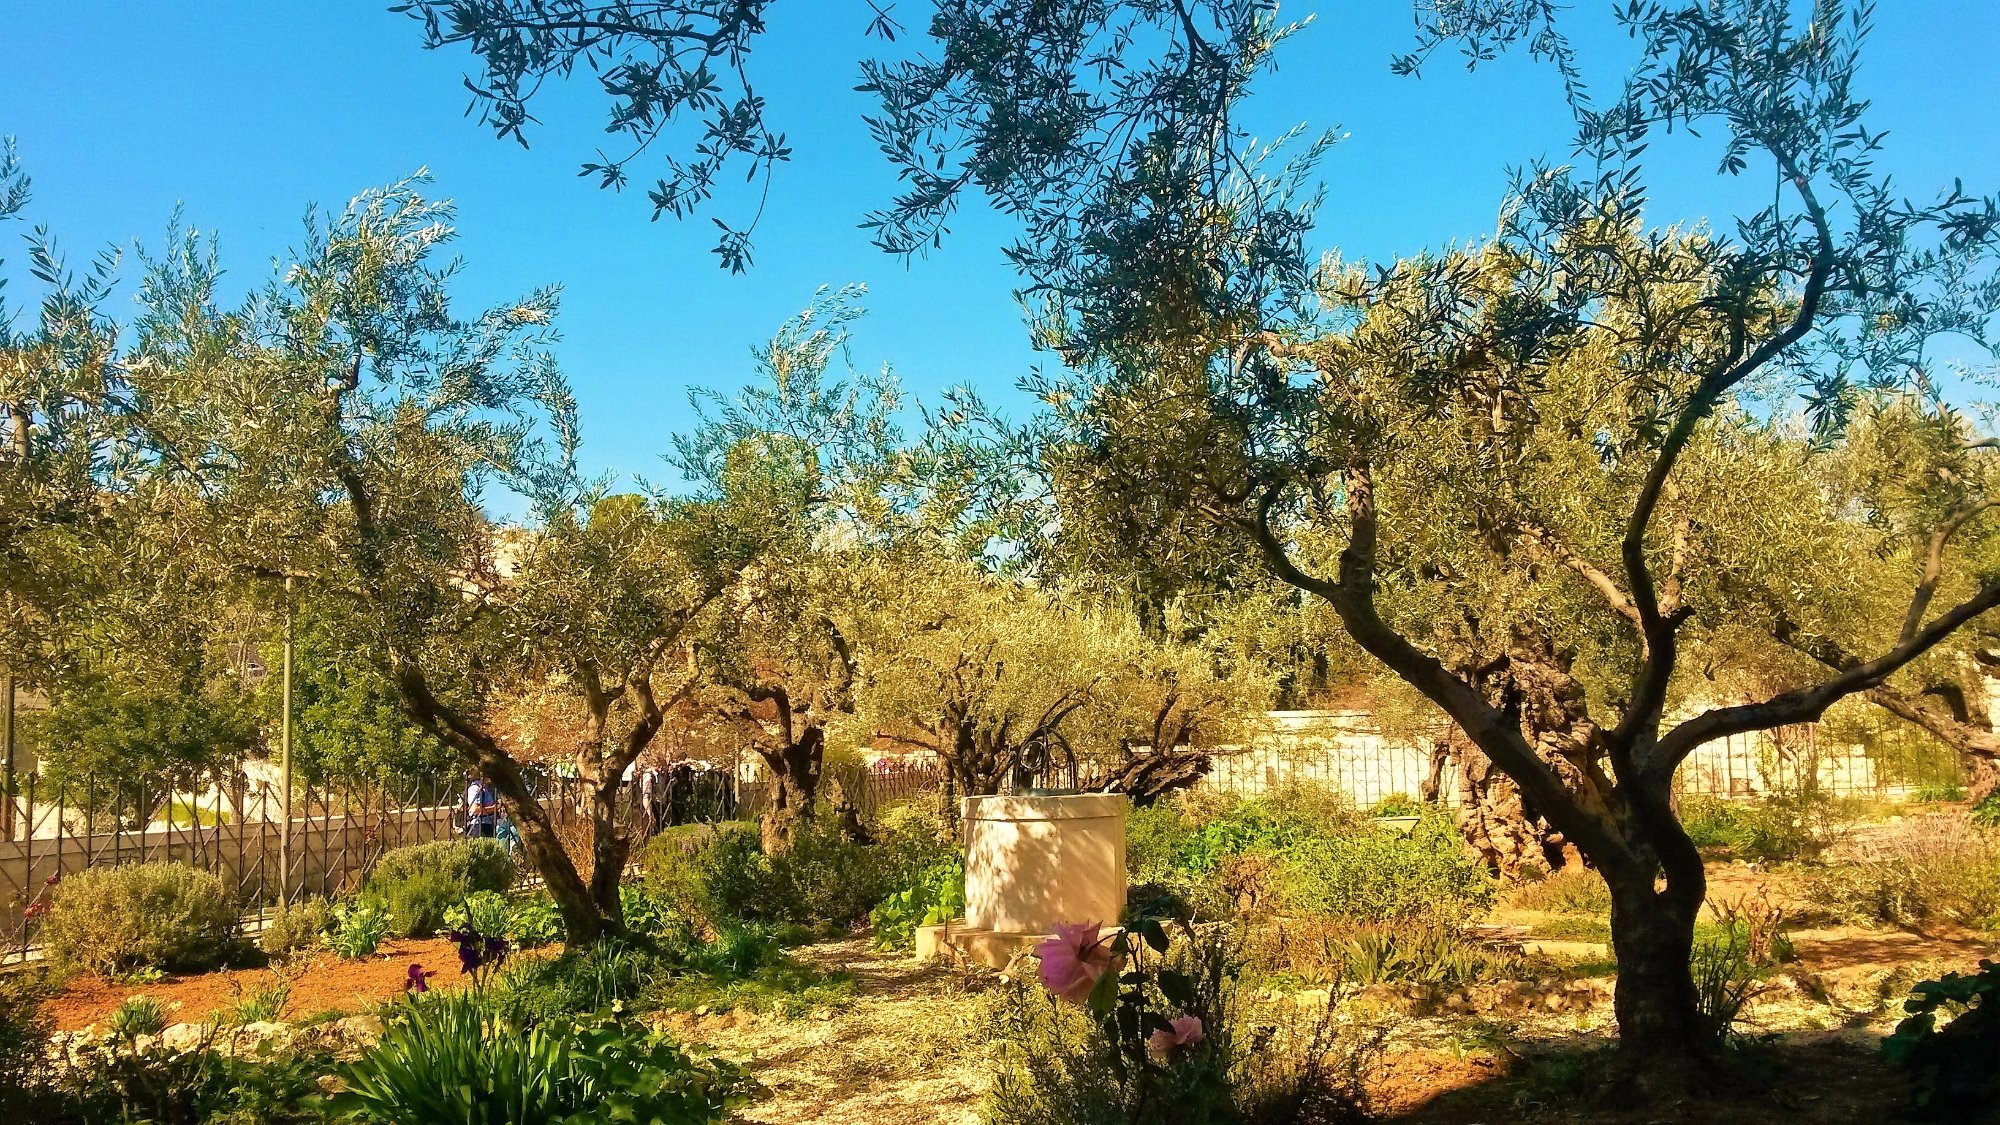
(183, 1037)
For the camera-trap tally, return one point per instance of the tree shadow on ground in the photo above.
(1828, 1078)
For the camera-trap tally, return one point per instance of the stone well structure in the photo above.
(1032, 861)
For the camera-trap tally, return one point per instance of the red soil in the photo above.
(325, 983)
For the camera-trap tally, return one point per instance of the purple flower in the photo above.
(418, 981)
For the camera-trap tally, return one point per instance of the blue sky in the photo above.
(247, 112)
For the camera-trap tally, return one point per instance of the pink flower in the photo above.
(1074, 960)
(1180, 1032)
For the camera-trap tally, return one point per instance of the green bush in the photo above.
(295, 928)
(535, 922)
(149, 915)
(937, 896)
(458, 1059)
(485, 912)
(110, 1082)
(1376, 875)
(24, 1041)
(707, 875)
(358, 929)
(1927, 869)
(1064, 1063)
(722, 877)
(136, 1017)
(1778, 829)
(417, 885)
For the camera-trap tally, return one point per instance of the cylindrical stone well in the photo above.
(1033, 861)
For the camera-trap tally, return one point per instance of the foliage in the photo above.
(1397, 805)
(1726, 979)
(137, 1017)
(263, 1003)
(348, 721)
(110, 920)
(1923, 871)
(822, 879)
(1784, 827)
(534, 922)
(1380, 875)
(598, 979)
(105, 1082)
(486, 912)
(1953, 1063)
(1987, 812)
(419, 885)
(24, 1038)
(293, 928)
(1427, 953)
(125, 748)
(456, 1059)
(358, 928)
(1115, 1058)
(1573, 890)
(937, 896)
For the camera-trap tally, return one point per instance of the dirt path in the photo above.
(906, 1051)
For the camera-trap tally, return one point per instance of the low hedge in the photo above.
(148, 915)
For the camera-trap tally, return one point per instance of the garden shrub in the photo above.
(1953, 1064)
(458, 1059)
(1573, 890)
(484, 912)
(1781, 828)
(148, 915)
(937, 896)
(1169, 1039)
(418, 884)
(1928, 869)
(24, 1040)
(1331, 951)
(707, 875)
(535, 922)
(358, 929)
(296, 927)
(138, 1016)
(823, 880)
(1380, 875)
(1210, 856)
(105, 1082)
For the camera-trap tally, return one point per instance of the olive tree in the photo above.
(1323, 440)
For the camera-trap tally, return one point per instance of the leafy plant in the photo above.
(263, 1003)
(1397, 805)
(358, 928)
(1375, 875)
(486, 912)
(602, 977)
(937, 897)
(137, 1016)
(295, 928)
(1725, 981)
(1954, 1064)
(159, 915)
(1574, 890)
(417, 886)
(535, 922)
(457, 1059)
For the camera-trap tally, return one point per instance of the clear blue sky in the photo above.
(247, 112)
